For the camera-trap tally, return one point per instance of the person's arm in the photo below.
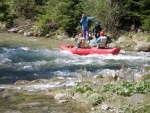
(81, 20)
(90, 18)
(97, 40)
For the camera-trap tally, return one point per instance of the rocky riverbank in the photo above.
(91, 95)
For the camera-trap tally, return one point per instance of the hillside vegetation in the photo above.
(54, 16)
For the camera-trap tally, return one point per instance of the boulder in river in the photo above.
(142, 46)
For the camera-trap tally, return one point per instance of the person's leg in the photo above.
(97, 35)
(84, 32)
(87, 34)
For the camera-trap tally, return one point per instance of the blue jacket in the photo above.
(85, 22)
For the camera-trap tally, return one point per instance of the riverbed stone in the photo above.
(13, 30)
(62, 101)
(59, 96)
(33, 104)
(142, 46)
(136, 98)
(122, 39)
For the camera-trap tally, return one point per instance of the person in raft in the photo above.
(85, 26)
(97, 29)
(81, 41)
(101, 42)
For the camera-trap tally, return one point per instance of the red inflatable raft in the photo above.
(91, 50)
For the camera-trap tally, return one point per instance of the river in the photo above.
(20, 61)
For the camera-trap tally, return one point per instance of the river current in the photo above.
(24, 63)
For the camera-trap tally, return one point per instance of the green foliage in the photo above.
(146, 24)
(24, 8)
(64, 15)
(128, 89)
(108, 14)
(57, 12)
(39, 2)
(139, 108)
(139, 11)
(106, 87)
(5, 13)
(97, 100)
(82, 88)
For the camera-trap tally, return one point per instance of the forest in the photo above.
(54, 16)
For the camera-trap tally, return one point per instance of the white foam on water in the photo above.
(25, 48)
(5, 60)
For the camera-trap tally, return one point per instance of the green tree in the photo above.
(60, 16)
(107, 12)
(6, 15)
(24, 8)
(40, 2)
(138, 11)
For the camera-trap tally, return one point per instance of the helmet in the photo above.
(96, 23)
(101, 33)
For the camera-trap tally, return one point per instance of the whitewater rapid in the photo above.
(23, 63)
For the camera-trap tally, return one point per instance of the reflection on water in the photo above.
(23, 63)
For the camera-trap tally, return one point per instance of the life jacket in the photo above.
(82, 45)
(103, 41)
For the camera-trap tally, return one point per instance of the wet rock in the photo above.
(47, 35)
(28, 34)
(62, 101)
(21, 31)
(13, 30)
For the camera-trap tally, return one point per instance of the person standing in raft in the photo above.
(85, 26)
